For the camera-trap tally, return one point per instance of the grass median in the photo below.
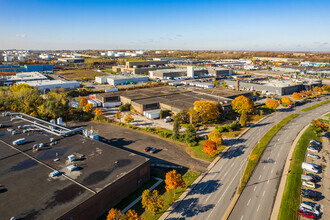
(259, 148)
(315, 106)
(291, 196)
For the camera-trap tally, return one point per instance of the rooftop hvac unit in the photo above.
(71, 157)
(59, 121)
(19, 141)
(71, 168)
(54, 173)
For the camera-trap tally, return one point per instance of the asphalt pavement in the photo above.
(257, 199)
(210, 198)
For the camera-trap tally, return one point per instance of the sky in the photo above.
(153, 24)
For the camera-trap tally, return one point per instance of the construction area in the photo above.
(49, 171)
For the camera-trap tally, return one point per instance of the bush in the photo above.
(164, 113)
(226, 127)
(233, 125)
(220, 128)
(125, 107)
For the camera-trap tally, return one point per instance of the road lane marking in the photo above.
(258, 207)
(263, 193)
(248, 202)
(259, 177)
(255, 188)
(232, 165)
(268, 158)
(225, 174)
(264, 167)
(272, 171)
(242, 217)
(267, 181)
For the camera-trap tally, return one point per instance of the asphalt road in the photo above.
(257, 199)
(211, 197)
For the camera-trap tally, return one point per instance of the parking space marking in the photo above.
(255, 188)
(248, 202)
(258, 207)
(263, 193)
(259, 177)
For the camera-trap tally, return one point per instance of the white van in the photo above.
(308, 184)
(309, 167)
(307, 178)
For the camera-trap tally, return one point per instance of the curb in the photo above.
(194, 184)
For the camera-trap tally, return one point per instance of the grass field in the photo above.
(315, 106)
(291, 196)
(198, 152)
(259, 148)
(79, 74)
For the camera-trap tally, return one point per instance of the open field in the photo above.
(79, 74)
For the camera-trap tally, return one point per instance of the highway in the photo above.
(257, 199)
(210, 198)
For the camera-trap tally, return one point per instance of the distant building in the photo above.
(26, 68)
(45, 85)
(19, 77)
(115, 80)
(276, 59)
(143, 67)
(74, 60)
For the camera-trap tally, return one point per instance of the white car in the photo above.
(313, 156)
(153, 150)
(311, 208)
(315, 142)
(313, 149)
(308, 184)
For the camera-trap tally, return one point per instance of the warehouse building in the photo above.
(27, 68)
(46, 85)
(52, 172)
(115, 80)
(143, 67)
(19, 77)
(167, 73)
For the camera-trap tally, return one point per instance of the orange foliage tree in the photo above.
(319, 126)
(326, 88)
(243, 104)
(210, 147)
(216, 137)
(98, 113)
(83, 102)
(173, 180)
(128, 119)
(152, 201)
(286, 100)
(309, 92)
(296, 96)
(89, 107)
(132, 215)
(272, 103)
(114, 214)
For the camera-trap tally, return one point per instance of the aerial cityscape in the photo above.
(146, 110)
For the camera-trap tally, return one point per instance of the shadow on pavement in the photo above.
(190, 207)
(234, 152)
(204, 188)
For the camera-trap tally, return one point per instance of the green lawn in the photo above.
(259, 148)
(291, 196)
(198, 152)
(315, 106)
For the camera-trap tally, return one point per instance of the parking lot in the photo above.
(322, 186)
(168, 153)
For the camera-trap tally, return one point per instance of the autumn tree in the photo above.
(243, 119)
(24, 98)
(309, 93)
(286, 100)
(173, 180)
(152, 201)
(193, 116)
(326, 88)
(128, 119)
(98, 113)
(83, 102)
(216, 83)
(319, 126)
(216, 137)
(55, 105)
(296, 96)
(114, 214)
(89, 108)
(132, 215)
(272, 103)
(118, 115)
(207, 111)
(243, 104)
(210, 147)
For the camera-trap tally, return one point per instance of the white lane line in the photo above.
(264, 167)
(232, 164)
(267, 181)
(258, 207)
(208, 197)
(272, 171)
(259, 177)
(278, 154)
(242, 217)
(263, 193)
(248, 202)
(225, 174)
(255, 188)
(268, 158)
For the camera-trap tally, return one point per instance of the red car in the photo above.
(147, 149)
(306, 214)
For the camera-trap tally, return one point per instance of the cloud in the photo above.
(320, 43)
(179, 35)
(21, 35)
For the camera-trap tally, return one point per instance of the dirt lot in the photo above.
(169, 153)
(78, 74)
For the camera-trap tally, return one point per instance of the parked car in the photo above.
(306, 207)
(153, 150)
(313, 156)
(168, 119)
(147, 149)
(315, 142)
(308, 178)
(313, 149)
(314, 175)
(309, 167)
(307, 214)
(308, 184)
(309, 194)
(316, 165)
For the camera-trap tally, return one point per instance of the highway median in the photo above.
(259, 148)
(315, 106)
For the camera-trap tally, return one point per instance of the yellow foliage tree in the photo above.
(128, 119)
(206, 110)
(132, 215)
(216, 137)
(272, 103)
(113, 214)
(152, 201)
(98, 113)
(83, 102)
(296, 96)
(243, 104)
(286, 100)
(193, 114)
(89, 107)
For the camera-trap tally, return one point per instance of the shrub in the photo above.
(164, 113)
(226, 127)
(233, 125)
(125, 107)
(220, 128)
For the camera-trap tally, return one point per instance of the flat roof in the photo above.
(26, 76)
(47, 82)
(28, 191)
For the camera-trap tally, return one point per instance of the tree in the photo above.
(243, 104)
(173, 180)
(83, 102)
(216, 137)
(296, 96)
(128, 119)
(190, 134)
(224, 84)
(326, 88)
(319, 126)
(89, 108)
(206, 110)
(54, 106)
(309, 92)
(118, 115)
(176, 126)
(98, 113)
(243, 119)
(132, 215)
(152, 201)
(24, 98)
(272, 103)
(114, 214)
(193, 115)
(210, 147)
(215, 83)
(164, 113)
(286, 100)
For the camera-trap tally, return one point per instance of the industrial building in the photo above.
(276, 87)
(19, 77)
(167, 73)
(73, 60)
(49, 171)
(115, 80)
(170, 98)
(45, 85)
(143, 67)
(26, 68)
